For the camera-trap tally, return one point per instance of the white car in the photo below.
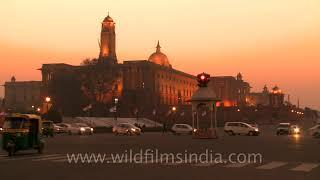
(315, 131)
(234, 128)
(57, 129)
(76, 128)
(182, 129)
(64, 127)
(126, 129)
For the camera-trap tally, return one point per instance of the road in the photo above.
(285, 157)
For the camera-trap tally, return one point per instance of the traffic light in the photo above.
(203, 79)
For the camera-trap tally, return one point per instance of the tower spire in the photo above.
(158, 47)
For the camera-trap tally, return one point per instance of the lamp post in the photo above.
(116, 100)
(154, 112)
(48, 99)
(173, 109)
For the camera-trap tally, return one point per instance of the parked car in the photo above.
(315, 131)
(287, 129)
(234, 128)
(182, 129)
(126, 129)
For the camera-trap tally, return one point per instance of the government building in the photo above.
(134, 85)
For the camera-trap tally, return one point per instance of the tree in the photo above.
(53, 115)
(64, 90)
(88, 62)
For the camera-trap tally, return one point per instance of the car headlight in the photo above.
(296, 130)
(132, 129)
(1, 129)
(82, 129)
(194, 130)
(91, 129)
(256, 129)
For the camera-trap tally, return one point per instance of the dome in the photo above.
(108, 19)
(159, 58)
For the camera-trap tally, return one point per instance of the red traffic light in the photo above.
(203, 79)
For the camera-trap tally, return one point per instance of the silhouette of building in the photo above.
(273, 98)
(259, 98)
(276, 97)
(233, 91)
(137, 84)
(108, 40)
(22, 96)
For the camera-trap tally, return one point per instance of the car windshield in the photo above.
(80, 125)
(15, 123)
(129, 125)
(284, 125)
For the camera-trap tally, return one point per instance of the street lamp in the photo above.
(48, 99)
(116, 100)
(174, 109)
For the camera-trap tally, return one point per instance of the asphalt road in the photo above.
(284, 157)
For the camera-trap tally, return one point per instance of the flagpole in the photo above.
(197, 120)
(215, 115)
(211, 121)
(192, 119)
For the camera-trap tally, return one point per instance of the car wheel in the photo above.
(231, 133)
(250, 133)
(316, 135)
(129, 133)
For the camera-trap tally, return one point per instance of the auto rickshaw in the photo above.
(47, 128)
(22, 132)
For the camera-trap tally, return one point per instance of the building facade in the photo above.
(137, 84)
(266, 98)
(233, 91)
(259, 98)
(22, 96)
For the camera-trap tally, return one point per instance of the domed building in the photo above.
(137, 84)
(159, 58)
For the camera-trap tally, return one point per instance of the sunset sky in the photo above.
(273, 42)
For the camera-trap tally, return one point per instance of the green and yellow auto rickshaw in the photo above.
(47, 128)
(22, 132)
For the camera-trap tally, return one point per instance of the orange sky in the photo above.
(269, 41)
